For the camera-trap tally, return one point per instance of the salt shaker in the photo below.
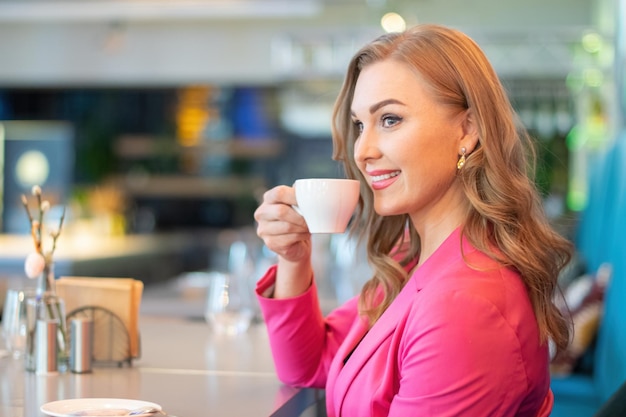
(81, 347)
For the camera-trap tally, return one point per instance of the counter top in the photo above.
(184, 367)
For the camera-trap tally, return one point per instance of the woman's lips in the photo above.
(383, 179)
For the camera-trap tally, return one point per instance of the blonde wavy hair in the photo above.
(505, 209)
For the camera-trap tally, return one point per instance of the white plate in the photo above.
(91, 407)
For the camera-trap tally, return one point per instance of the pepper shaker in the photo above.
(46, 346)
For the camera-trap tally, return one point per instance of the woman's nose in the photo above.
(366, 146)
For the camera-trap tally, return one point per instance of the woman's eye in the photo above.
(389, 120)
(358, 126)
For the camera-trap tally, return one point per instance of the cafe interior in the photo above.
(148, 130)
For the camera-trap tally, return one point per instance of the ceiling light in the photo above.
(393, 22)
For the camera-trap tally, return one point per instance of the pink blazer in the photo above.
(457, 341)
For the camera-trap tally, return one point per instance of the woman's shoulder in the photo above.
(464, 305)
(470, 269)
(474, 281)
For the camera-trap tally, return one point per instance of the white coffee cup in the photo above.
(327, 204)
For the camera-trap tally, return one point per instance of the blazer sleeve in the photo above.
(303, 342)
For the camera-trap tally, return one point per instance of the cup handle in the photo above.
(295, 206)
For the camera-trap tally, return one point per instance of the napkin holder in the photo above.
(113, 306)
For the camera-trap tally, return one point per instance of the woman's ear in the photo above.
(469, 141)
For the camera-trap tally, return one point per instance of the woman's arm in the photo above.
(303, 342)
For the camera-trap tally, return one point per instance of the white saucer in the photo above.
(92, 407)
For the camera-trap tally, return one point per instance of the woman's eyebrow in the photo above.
(374, 107)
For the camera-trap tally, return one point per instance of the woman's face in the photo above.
(408, 144)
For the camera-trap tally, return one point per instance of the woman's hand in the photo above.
(280, 226)
(285, 232)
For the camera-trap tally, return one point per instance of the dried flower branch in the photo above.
(38, 261)
(56, 233)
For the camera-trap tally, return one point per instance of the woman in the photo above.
(457, 319)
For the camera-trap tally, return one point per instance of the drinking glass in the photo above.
(228, 308)
(14, 324)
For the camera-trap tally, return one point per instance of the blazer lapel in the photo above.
(386, 324)
(369, 342)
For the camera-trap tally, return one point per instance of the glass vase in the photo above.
(46, 306)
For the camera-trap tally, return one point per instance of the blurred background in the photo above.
(158, 124)
(170, 118)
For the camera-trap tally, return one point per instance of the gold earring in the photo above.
(461, 161)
